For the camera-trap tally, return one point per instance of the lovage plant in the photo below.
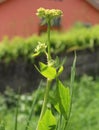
(56, 117)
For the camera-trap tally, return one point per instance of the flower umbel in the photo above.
(49, 13)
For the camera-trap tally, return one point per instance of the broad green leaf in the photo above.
(47, 71)
(47, 122)
(64, 99)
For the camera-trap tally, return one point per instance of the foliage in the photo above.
(74, 39)
(2, 125)
(85, 105)
(84, 113)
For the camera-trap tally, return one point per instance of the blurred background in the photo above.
(77, 30)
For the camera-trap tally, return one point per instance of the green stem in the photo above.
(48, 81)
(16, 117)
(45, 101)
(33, 104)
(45, 98)
(44, 107)
(49, 48)
(17, 110)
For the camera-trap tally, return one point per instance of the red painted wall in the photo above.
(17, 17)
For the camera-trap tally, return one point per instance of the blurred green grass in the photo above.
(85, 109)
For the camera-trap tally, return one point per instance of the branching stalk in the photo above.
(44, 107)
(49, 48)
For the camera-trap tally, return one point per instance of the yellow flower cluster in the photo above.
(49, 13)
(41, 47)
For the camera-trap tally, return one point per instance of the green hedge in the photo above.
(75, 39)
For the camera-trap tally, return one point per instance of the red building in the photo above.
(17, 17)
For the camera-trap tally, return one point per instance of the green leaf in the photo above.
(47, 122)
(64, 99)
(73, 71)
(57, 107)
(47, 71)
(60, 70)
(35, 54)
